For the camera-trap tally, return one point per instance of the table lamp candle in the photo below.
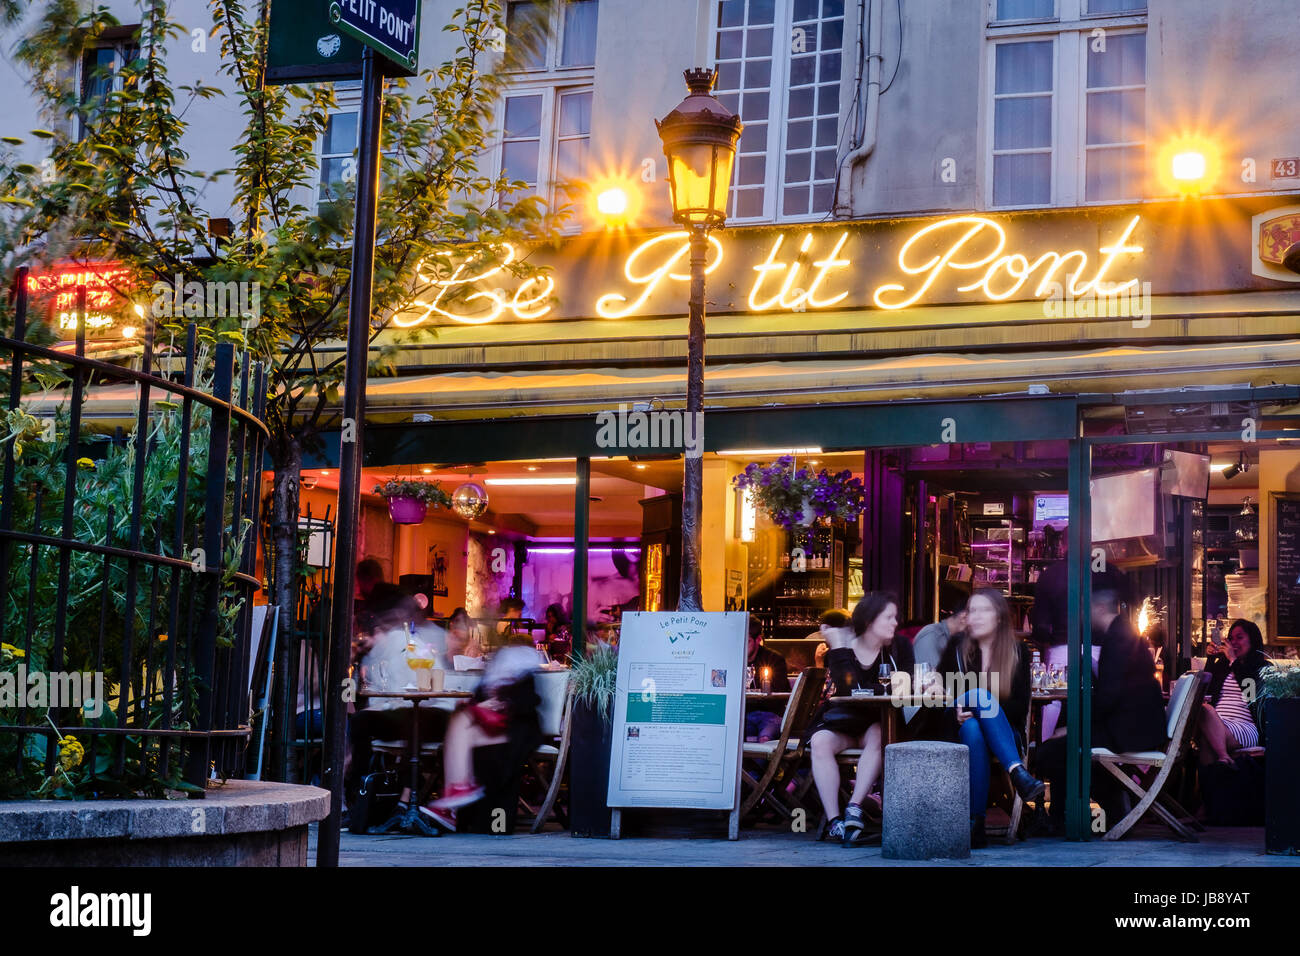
(767, 680)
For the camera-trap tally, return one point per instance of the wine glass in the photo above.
(884, 673)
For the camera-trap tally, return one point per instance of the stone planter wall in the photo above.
(240, 823)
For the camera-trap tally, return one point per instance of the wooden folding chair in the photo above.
(556, 728)
(1008, 799)
(774, 759)
(1153, 767)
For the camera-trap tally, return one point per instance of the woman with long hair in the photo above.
(1227, 722)
(559, 638)
(852, 663)
(988, 672)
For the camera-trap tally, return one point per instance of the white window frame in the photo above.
(118, 45)
(1070, 31)
(552, 82)
(777, 121)
(554, 45)
(347, 99)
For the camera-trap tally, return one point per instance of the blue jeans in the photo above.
(987, 735)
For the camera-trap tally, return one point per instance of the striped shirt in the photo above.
(1234, 713)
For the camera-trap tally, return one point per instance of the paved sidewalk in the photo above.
(771, 847)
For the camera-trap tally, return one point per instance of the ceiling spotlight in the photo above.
(1236, 468)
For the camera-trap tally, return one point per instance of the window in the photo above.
(102, 74)
(1068, 104)
(338, 147)
(779, 66)
(546, 113)
(552, 36)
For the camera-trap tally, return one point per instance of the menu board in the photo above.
(1284, 568)
(679, 710)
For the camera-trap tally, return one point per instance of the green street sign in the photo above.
(390, 27)
(304, 47)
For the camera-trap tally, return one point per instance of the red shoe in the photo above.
(439, 817)
(458, 795)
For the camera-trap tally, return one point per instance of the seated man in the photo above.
(387, 718)
(1128, 711)
(933, 639)
(763, 725)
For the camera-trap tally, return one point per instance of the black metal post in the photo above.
(354, 413)
(689, 598)
(581, 533)
(1078, 738)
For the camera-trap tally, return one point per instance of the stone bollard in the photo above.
(927, 801)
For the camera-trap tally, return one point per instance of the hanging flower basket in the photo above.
(404, 510)
(409, 501)
(799, 499)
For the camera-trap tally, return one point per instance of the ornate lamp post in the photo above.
(699, 138)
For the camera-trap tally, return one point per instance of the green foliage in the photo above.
(1280, 680)
(594, 679)
(430, 492)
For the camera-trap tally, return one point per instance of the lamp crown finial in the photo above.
(700, 81)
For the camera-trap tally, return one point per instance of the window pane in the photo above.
(798, 166)
(1115, 174)
(759, 42)
(801, 102)
(340, 133)
(1022, 179)
(832, 8)
(832, 37)
(97, 67)
(754, 138)
(527, 30)
(731, 13)
(749, 203)
(575, 114)
(730, 44)
(571, 158)
(761, 11)
(523, 116)
(1116, 6)
(830, 67)
(798, 135)
(822, 195)
(805, 10)
(752, 170)
(579, 33)
(794, 201)
(1023, 67)
(335, 174)
(1026, 9)
(828, 99)
(1123, 64)
(826, 132)
(1116, 117)
(824, 165)
(803, 70)
(519, 161)
(758, 73)
(1022, 122)
(755, 106)
(728, 76)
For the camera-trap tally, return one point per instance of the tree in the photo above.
(127, 191)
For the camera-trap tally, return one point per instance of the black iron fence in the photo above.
(126, 562)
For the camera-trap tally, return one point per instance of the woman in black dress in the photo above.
(853, 663)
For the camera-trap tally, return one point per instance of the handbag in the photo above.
(376, 801)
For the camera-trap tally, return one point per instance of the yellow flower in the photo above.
(71, 752)
(85, 463)
(13, 651)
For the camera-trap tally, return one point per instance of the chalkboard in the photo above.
(1284, 568)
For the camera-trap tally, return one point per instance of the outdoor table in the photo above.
(1037, 700)
(411, 821)
(889, 727)
(775, 697)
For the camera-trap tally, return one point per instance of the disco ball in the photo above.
(470, 500)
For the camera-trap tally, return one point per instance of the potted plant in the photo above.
(409, 501)
(1279, 694)
(593, 679)
(798, 499)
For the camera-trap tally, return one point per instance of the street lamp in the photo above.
(699, 138)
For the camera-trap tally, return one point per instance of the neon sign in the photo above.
(934, 257)
(103, 282)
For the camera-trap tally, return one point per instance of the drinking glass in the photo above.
(1036, 674)
(1054, 677)
(883, 671)
(749, 676)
